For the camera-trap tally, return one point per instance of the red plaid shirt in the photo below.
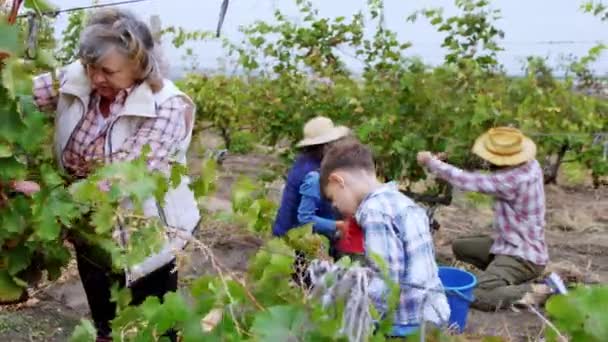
(86, 147)
(519, 210)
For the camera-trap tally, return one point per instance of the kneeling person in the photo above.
(518, 252)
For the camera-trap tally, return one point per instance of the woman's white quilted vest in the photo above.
(179, 210)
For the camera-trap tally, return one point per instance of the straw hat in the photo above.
(321, 130)
(505, 146)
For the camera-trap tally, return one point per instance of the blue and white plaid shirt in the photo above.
(397, 230)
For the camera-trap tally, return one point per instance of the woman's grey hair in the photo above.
(108, 29)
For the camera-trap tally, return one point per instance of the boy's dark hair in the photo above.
(345, 154)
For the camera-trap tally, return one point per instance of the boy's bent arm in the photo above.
(499, 185)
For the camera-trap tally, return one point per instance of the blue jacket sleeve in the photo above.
(309, 206)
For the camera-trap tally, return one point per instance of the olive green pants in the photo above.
(503, 279)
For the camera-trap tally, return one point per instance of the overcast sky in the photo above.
(547, 28)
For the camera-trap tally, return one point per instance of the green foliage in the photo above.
(10, 289)
(399, 106)
(70, 41)
(597, 8)
(270, 265)
(228, 114)
(181, 36)
(132, 183)
(9, 42)
(311, 44)
(31, 238)
(580, 314)
(303, 239)
(84, 332)
(264, 306)
(34, 227)
(148, 321)
(39, 5)
(205, 185)
(470, 35)
(292, 73)
(280, 323)
(251, 207)
(242, 142)
(575, 173)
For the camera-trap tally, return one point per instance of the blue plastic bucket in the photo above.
(458, 285)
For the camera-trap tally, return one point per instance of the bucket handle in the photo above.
(470, 299)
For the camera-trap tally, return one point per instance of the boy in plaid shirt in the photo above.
(395, 229)
(518, 252)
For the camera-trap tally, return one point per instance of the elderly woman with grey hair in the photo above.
(110, 104)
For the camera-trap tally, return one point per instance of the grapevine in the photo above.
(291, 72)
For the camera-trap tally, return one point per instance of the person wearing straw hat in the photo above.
(517, 253)
(301, 202)
(318, 133)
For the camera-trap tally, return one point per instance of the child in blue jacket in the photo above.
(301, 202)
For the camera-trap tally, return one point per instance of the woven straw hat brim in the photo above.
(527, 153)
(332, 135)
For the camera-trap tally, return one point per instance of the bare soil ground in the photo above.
(577, 233)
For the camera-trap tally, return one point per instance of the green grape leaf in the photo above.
(174, 309)
(200, 286)
(48, 228)
(18, 259)
(263, 258)
(280, 323)
(16, 78)
(131, 179)
(9, 38)
(5, 151)
(150, 307)
(103, 218)
(36, 131)
(241, 194)
(10, 290)
(204, 185)
(11, 169)
(304, 239)
(12, 220)
(45, 58)
(84, 332)
(56, 255)
(578, 315)
(51, 209)
(129, 316)
(50, 177)
(86, 191)
(191, 331)
(177, 172)
(39, 5)
(162, 186)
(121, 296)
